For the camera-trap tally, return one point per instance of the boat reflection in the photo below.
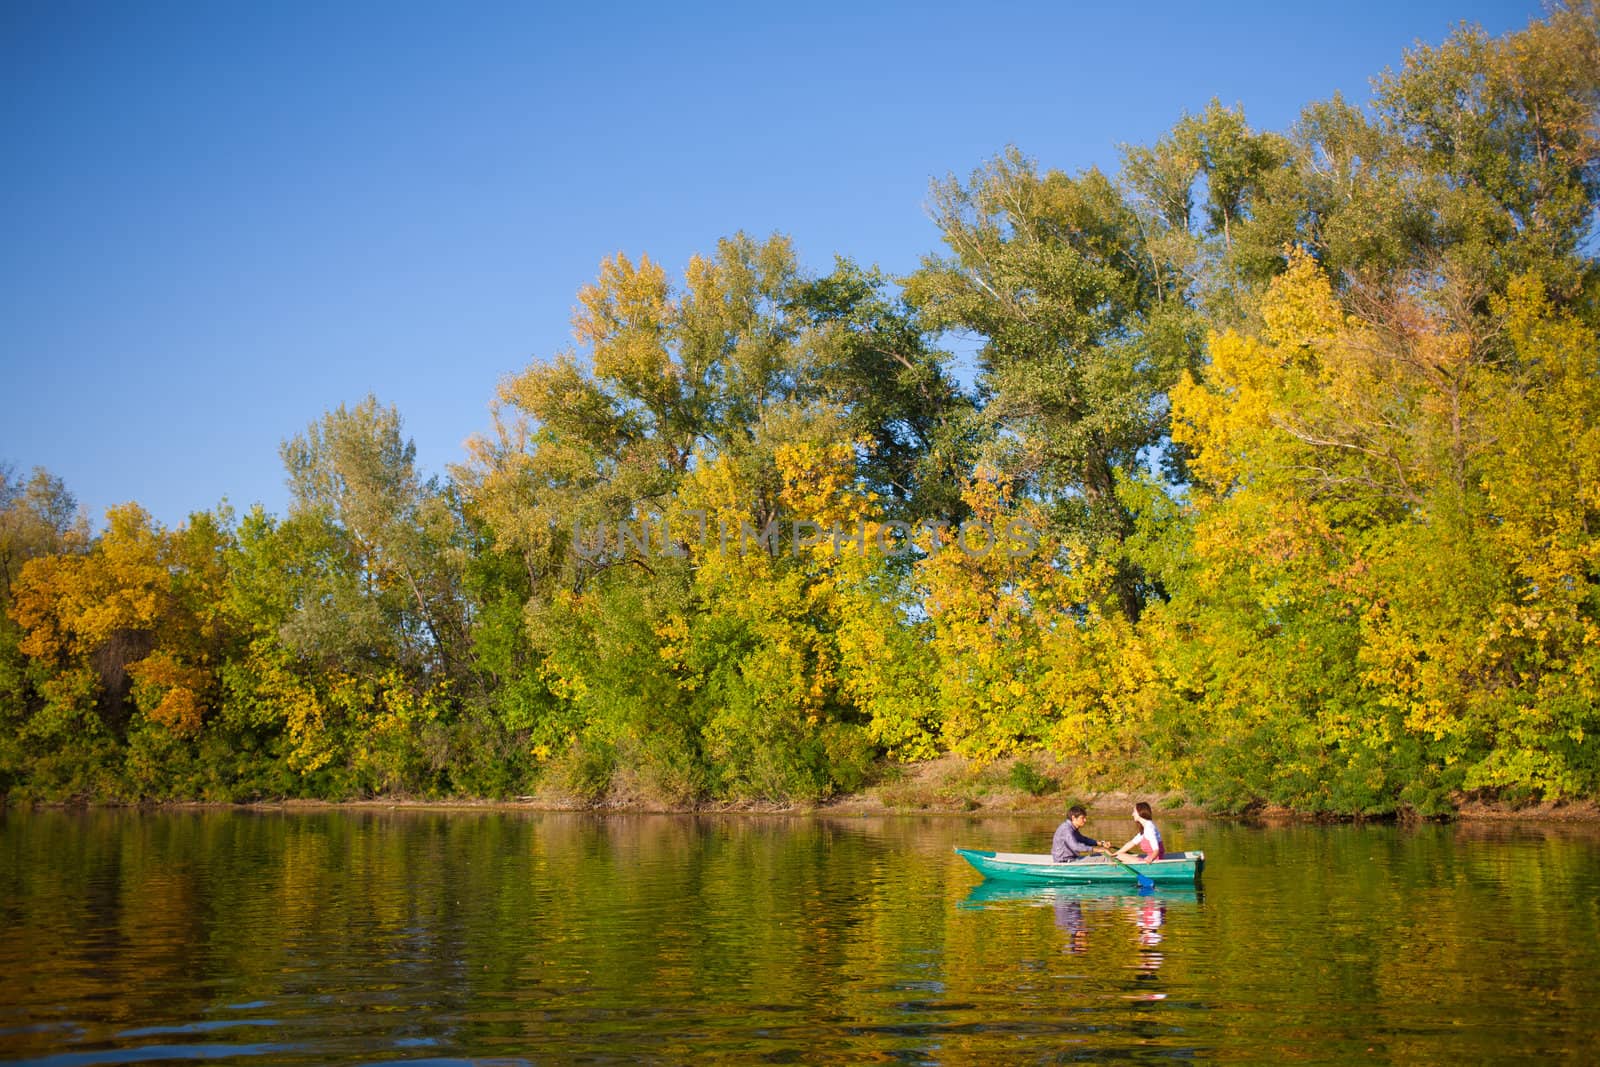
(1146, 910)
(1149, 916)
(989, 892)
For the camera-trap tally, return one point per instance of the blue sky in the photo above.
(221, 219)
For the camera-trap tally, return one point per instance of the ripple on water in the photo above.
(506, 938)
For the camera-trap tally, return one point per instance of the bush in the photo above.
(584, 771)
(1026, 778)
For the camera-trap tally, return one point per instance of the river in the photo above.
(371, 936)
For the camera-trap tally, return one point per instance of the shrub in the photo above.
(1027, 778)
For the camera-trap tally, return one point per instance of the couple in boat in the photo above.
(1071, 845)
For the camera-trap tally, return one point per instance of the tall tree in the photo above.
(875, 361)
(1081, 338)
(356, 490)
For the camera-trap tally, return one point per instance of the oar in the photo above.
(1145, 881)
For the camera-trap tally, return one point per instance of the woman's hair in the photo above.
(1143, 809)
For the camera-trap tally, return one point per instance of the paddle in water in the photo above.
(1145, 881)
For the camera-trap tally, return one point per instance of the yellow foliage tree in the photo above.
(1390, 551)
(1033, 651)
(140, 612)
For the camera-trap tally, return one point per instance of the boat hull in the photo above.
(1179, 868)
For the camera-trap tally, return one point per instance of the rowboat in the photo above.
(1176, 868)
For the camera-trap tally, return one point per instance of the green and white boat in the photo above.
(1175, 869)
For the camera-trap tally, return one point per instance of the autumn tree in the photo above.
(38, 517)
(686, 416)
(126, 638)
(1363, 549)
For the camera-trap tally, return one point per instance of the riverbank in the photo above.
(947, 786)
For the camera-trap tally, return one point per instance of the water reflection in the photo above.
(1069, 917)
(369, 936)
(1079, 910)
(1149, 916)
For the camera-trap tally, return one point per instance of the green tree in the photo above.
(356, 494)
(875, 362)
(1082, 335)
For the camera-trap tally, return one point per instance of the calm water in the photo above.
(537, 938)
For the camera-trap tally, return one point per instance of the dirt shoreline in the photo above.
(948, 787)
(853, 806)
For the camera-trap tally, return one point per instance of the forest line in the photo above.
(1287, 445)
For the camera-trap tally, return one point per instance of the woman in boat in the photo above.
(1148, 838)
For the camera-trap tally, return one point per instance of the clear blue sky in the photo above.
(220, 219)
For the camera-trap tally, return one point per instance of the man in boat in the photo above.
(1070, 844)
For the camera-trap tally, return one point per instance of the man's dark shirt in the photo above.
(1069, 844)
